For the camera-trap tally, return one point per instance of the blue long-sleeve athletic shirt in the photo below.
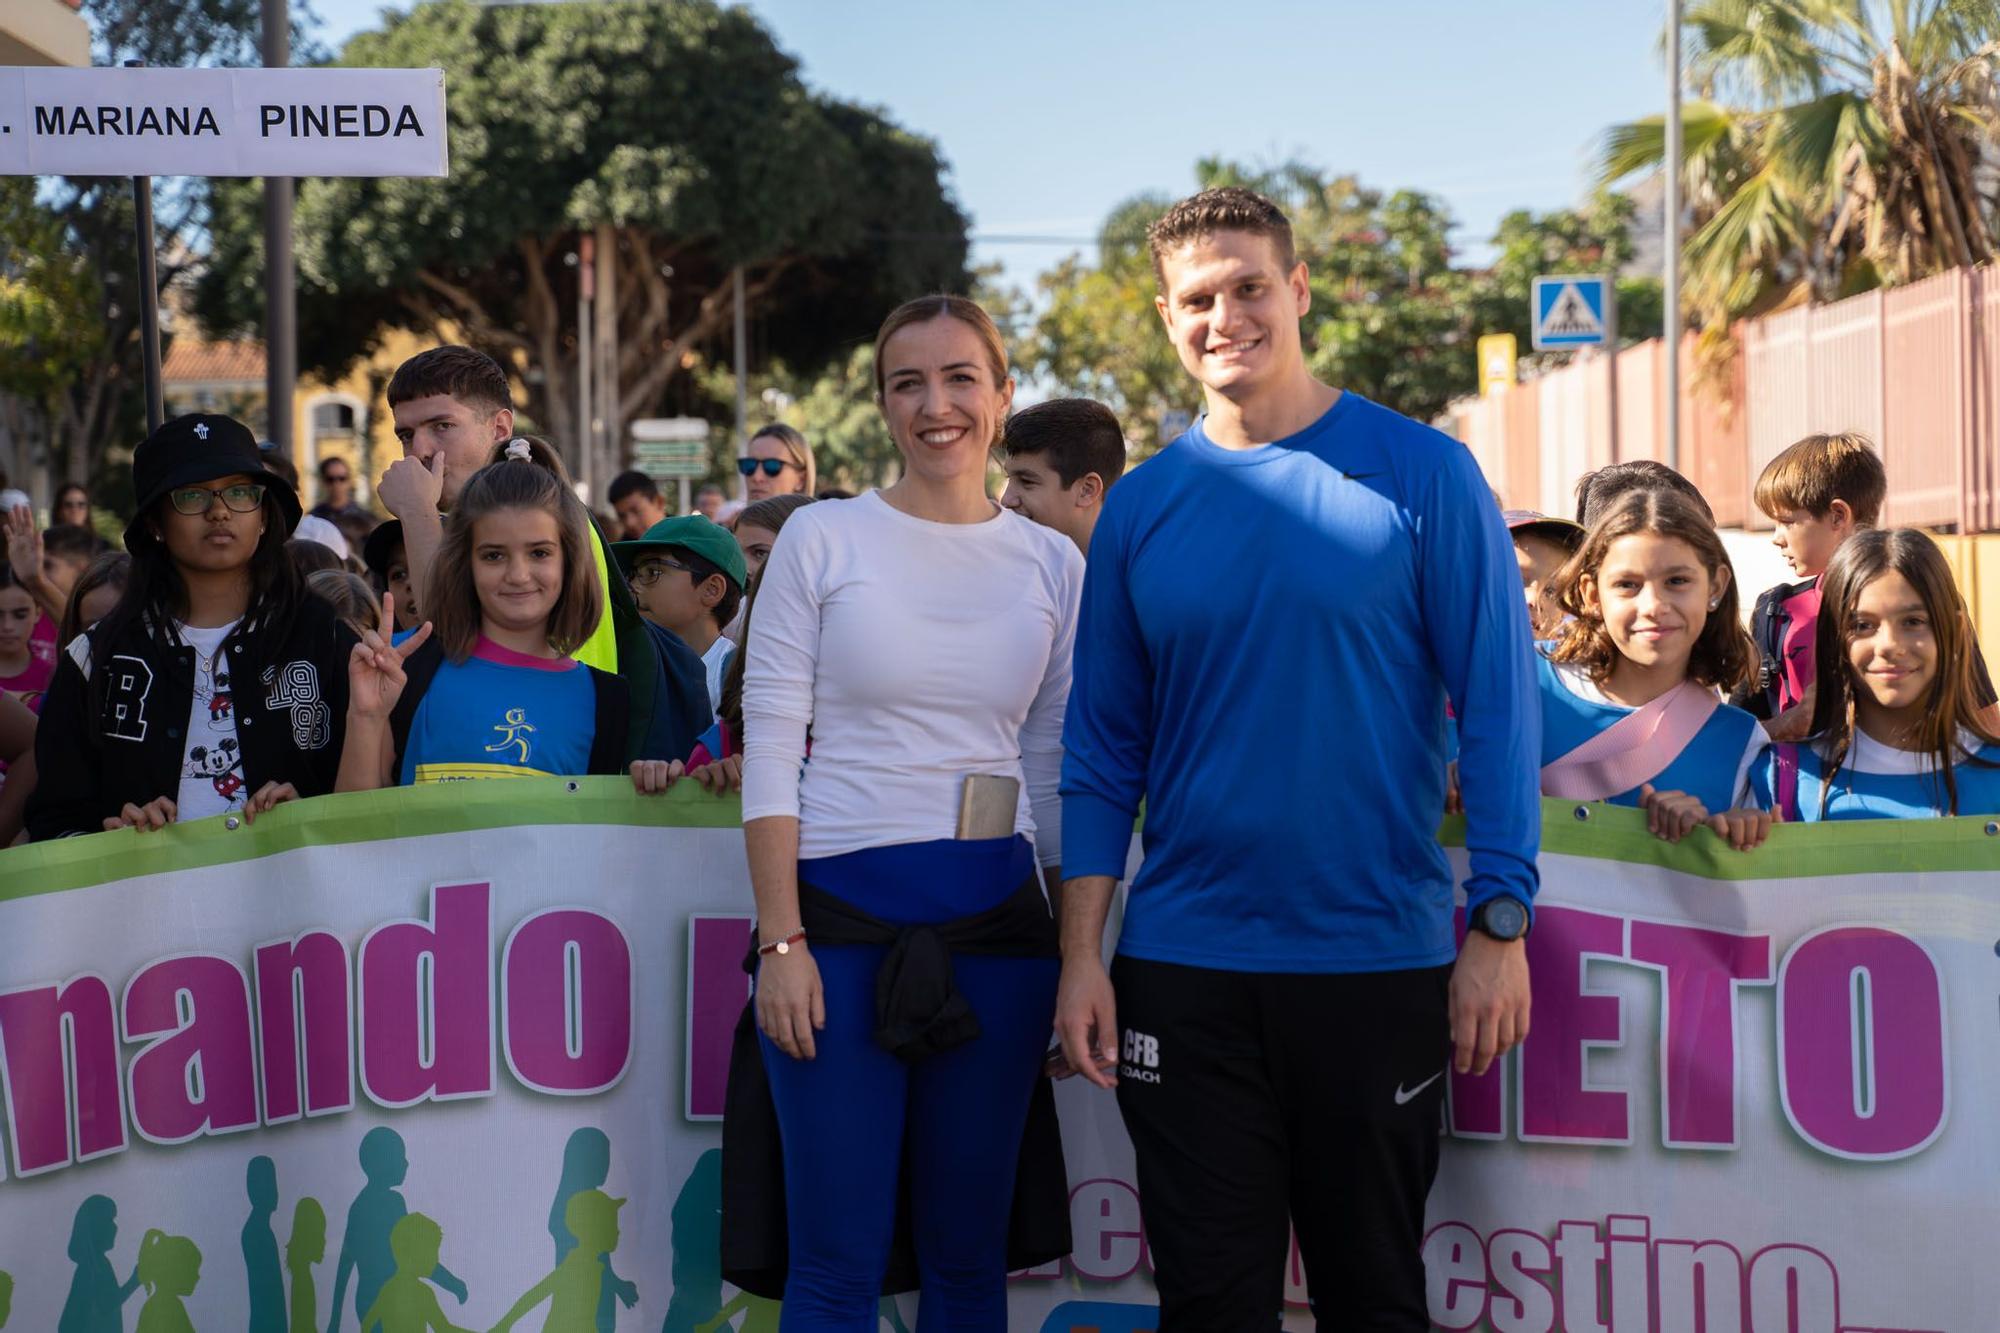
(1266, 644)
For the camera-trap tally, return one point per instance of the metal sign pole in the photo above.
(1671, 218)
(281, 323)
(149, 293)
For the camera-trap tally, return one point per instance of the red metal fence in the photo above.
(1916, 370)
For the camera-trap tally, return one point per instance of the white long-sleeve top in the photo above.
(917, 653)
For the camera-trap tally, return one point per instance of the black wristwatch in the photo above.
(1504, 918)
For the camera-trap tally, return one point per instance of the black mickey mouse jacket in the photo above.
(106, 740)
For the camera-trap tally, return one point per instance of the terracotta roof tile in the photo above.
(192, 362)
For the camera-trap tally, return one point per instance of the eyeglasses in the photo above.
(646, 575)
(772, 466)
(242, 498)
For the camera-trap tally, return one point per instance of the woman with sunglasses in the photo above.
(778, 461)
(216, 684)
(72, 506)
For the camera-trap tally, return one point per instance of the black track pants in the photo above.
(1254, 1098)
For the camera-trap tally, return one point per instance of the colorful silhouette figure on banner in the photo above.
(260, 1248)
(697, 1247)
(169, 1268)
(366, 1252)
(697, 1265)
(406, 1303)
(574, 1289)
(96, 1298)
(306, 1247)
(587, 1165)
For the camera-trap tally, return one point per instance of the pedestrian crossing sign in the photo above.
(1570, 311)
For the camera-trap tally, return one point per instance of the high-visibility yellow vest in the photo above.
(601, 648)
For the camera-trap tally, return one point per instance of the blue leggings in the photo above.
(846, 1115)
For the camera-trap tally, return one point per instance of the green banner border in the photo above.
(1602, 832)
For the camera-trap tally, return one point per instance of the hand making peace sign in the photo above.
(375, 669)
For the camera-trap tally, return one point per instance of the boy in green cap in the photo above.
(687, 576)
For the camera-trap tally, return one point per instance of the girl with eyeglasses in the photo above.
(215, 684)
(777, 461)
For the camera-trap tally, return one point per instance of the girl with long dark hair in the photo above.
(216, 683)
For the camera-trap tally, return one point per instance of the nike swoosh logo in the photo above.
(1405, 1097)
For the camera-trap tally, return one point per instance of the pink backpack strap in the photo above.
(1785, 781)
(1633, 750)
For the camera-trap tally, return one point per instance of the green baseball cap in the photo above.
(691, 532)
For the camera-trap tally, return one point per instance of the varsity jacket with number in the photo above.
(113, 729)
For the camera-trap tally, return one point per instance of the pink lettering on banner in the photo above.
(1701, 1287)
(567, 999)
(1557, 1103)
(427, 1002)
(1794, 1288)
(1104, 1220)
(718, 988)
(1861, 1055)
(303, 1004)
(196, 1076)
(60, 1072)
(1455, 1276)
(1526, 1305)
(1629, 1257)
(1579, 1254)
(1620, 1279)
(1701, 971)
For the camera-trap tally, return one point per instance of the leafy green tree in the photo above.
(1835, 145)
(1392, 317)
(69, 240)
(683, 128)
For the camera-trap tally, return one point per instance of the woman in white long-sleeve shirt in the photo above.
(922, 635)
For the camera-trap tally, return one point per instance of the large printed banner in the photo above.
(1762, 1094)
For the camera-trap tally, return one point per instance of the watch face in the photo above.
(1505, 919)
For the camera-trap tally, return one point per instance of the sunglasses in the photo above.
(242, 498)
(772, 466)
(335, 478)
(655, 569)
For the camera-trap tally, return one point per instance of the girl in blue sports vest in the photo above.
(1654, 635)
(487, 687)
(1898, 731)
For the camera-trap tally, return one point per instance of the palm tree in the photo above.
(1836, 146)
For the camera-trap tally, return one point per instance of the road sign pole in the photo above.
(1611, 346)
(281, 323)
(1671, 219)
(149, 294)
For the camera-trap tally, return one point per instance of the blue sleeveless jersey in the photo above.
(1705, 770)
(1876, 795)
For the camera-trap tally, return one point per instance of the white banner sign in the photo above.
(231, 1060)
(222, 122)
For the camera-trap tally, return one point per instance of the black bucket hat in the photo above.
(199, 447)
(380, 546)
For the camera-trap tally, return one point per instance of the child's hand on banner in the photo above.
(1671, 815)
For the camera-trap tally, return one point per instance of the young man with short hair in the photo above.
(688, 576)
(1061, 457)
(637, 502)
(1280, 603)
(451, 407)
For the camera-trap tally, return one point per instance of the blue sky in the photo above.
(1049, 113)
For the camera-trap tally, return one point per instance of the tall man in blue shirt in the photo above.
(1277, 608)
